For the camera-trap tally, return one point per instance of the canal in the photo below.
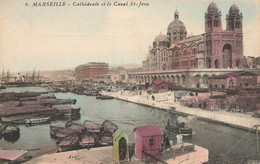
(225, 144)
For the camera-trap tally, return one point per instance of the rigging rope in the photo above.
(240, 140)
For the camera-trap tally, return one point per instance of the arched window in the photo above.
(209, 22)
(237, 63)
(176, 54)
(216, 64)
(237, 23)
(216, 22)
(185, 52)
(174, 36)
(194, 51)
(231, 24)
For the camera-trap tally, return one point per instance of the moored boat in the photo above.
(87, 139)
(75, 126)
(75, 111)
(2, 87)
(179, 129)
(40, 120)
(102, 97)
(105, 138)
(59, 132)
(109, 126)
(92, 127)
(10, 132)
(184, 131)
(69, 142)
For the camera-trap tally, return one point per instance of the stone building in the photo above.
(91, 70)
(216, 48)
(233, 80)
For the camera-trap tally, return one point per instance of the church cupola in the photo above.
(176, 30)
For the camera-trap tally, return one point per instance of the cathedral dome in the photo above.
(161, 38)
(176, 30)
(233, 9)
(212, 7)
(177, 26)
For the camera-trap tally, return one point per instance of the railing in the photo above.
(153, 157)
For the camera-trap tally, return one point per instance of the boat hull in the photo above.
(69, 142)
(87, 140)
(185, 131)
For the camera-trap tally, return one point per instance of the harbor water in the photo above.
(225, 144)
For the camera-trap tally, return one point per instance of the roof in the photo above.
(176, 26)
(188, 41)
(212, 7)
(234, 9)
(148, 130)
(158, 82)
(118, 133)
(227, 75)
(161, 38)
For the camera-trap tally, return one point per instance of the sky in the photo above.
(62, 37)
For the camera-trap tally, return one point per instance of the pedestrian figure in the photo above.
(153, 97)
(166, 142)
(168, 122)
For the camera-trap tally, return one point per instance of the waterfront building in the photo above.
(188, 61)
(235, 80)
(91, 70)
(160, 85)
(216, 48)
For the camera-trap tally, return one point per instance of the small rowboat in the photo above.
(92, 127)
(69, 142)
(184, 131)
(109, 126)
(106, 97)
(179, 129)
(75, 126)
(40, 120)
(87, 139)
(105, 138)
(10, 132)
(61, 132)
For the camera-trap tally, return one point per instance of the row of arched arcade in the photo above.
(183, 80)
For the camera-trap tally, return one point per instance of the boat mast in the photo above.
(33, 74)
(38, 76)
(3, 75)
(257, 156)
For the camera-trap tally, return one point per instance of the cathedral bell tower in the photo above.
(234, 19)
(213, 32)
(213, 19)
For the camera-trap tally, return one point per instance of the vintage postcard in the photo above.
(134, 81)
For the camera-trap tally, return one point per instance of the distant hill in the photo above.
(127, 66)
(68, 74)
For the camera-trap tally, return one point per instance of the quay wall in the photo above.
(166, 102)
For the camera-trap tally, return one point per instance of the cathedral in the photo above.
(216, 48)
